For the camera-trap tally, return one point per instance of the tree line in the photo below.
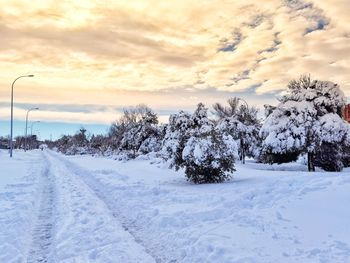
(307, 121)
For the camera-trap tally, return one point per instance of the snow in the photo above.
(18, 192)
(94, 209)
(70, 223)
(306, 117)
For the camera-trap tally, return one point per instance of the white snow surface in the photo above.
(55, 208)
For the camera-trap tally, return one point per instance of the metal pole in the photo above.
(26, 131)
(11, 133)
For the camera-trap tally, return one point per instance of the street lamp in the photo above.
(11, 133)
(26, 131)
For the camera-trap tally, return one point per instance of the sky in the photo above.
(93, 58)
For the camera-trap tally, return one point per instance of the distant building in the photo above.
(347, 113)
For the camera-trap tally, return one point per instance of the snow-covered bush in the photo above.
(115, 135)
(76, 144)
(206, 153)
(176, 135)
(99, 144)
(209, 157)
(140, 131)
(308, 116)
(150, 144)
(242, 124)
(288, 128)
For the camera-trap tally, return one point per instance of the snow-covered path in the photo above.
(20, 190)
(42, 235)
(55, 208)
(85, 229)
(65, 221)
(156, 252)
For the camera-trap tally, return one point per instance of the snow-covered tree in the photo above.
(63, 143)
(206, 153)
(289, 128)
(80, 139)
(98, 144)
(307, 116)
(209, 157)
(176, 134)
(141, 133)
(76, 144)
(242, 124)
(115, 134)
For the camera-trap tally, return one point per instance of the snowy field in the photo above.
(55, 208)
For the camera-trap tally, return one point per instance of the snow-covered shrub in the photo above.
(288, 128)
(207, 154)
(140, 134)
(150, 144)
(242, 124)
(308, 116)
(115, 135)
(76, 144)
(98, 144)
(63, 143)
(209, 157)
(176, 135)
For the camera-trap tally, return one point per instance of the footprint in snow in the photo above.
(279, 217)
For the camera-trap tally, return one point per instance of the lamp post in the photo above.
(11, 133)
(26, 131)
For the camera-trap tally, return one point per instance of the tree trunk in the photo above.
(311, 161)
(242, 151)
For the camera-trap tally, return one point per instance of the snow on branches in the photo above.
(194, 143)
(308, 116)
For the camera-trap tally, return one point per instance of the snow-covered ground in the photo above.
(55, 208)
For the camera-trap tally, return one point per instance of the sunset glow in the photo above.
(100, 56)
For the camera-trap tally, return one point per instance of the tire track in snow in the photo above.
(42, 233)
(82, 189)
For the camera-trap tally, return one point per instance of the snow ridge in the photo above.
(42, 236)
(129, 227)
(87, 230)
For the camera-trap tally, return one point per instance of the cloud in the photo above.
(163, 102)
(123, 53)
(230, 45)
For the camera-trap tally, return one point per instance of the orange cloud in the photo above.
(91, 52)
